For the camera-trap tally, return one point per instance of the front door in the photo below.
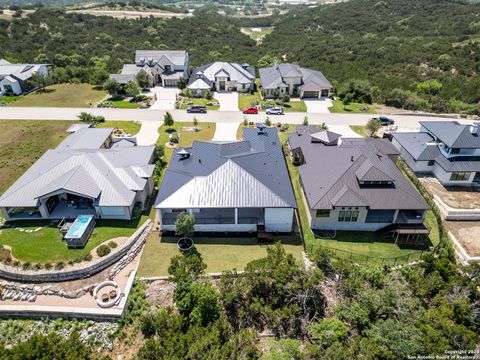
(222, 85)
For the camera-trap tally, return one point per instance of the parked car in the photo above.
(197, 109)
(274, 111)
(385, 120)
(251, 110)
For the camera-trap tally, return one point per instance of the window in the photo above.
(431, 163)
(455, 151)
(323, 213)
(348, 216)
(459, 176)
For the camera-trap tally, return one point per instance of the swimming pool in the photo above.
(80, 230)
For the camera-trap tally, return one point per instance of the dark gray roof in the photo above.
(459, 163)
(420, 145)
(272, 77)
(248, 173)
(381, 145)
(453, 134)
(315, 134)
(330, 177)
(177, 57)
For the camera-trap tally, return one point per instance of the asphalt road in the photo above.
(45, 113)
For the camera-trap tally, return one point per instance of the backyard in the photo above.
(219, 253)
(22, 142)
(352, 108)
(247, 100)
(61, 95)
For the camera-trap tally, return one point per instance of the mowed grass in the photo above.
(352, 108)
(360, 130)
(199, 101)
(219, 253)
(247, 100)
(22, 142)
(125, 104)
(128, 127)
(46, 245)
(62, 95)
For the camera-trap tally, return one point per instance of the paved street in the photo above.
(44, 113)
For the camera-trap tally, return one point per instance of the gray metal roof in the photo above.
(86, 138)
(18, 71)
(453, 134)
(234, 71)
(330, 176)
(76, 127)
(272, 77)
(123, 79)
(420, 145)
(248, 173)
(110, 176)
(177, 57)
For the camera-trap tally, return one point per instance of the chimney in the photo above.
(474, 128)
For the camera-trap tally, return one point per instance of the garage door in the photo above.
(310, 94)
(170, 82)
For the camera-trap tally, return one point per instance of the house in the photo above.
(89, 173)
(162, 67)
(14, 78)
(447, 149)
(222, 76)
(240, 186)
(354, 184)
(281, 79)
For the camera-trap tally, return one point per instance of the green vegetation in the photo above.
(351, 108)
(62, 95)
(360, 130)
(128, 127)
(187, 102)
(257, 33)
(247, 100)
(22, 142)
(46, 245)
(125, 104)
(219, 254)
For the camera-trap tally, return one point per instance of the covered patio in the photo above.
(222, 216)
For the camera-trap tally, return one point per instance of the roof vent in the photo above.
(261, 128)
(351, 159)
(475, 127)
(184, 154)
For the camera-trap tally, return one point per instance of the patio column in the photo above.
(236, 216)
(395, 216)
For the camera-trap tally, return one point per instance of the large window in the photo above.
(348, 216)
(431, 163)
(323, 213)
(459, 176)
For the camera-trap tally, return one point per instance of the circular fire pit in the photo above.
(185, 244)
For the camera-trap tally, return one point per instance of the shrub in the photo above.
(103, 250)
(268, 122)
(112, 244)
(284, 127)
(16, 263)
(87, 257)
(70, 262)
(174, 138)
(48, 266)
(26, 265)
(305, 120)
(37, 266)
(60, 265)
(8, 260)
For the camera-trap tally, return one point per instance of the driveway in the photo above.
(165, 98)
(318, 106)
(148, 133)
(226, 131)
(344, 130)
(228, 100)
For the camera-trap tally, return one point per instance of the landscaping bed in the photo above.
(247, 100)
(183, 103)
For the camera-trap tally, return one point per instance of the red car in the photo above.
(251, 110)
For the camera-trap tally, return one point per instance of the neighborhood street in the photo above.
(46, 113)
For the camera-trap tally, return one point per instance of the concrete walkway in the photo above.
(148, 133)
(226, 131)
(228, 101)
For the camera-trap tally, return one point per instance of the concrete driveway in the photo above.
(166, 98)
(318, 106)
(148, 133)
(226, 131)
(344, 130)
(228, 100)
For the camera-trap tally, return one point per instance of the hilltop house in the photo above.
(291, 79)
(89, 173)
(447, 149)
(162, 67)
(14, 78)
(240, 186)
(354, 184)
(222, 76)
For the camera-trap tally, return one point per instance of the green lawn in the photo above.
(63, 95)
(199, 101)
(22, 142)
(257, 35)
(122, 104)
(356, 245)
(128, 127)
(360, 129)
(353, 108)
(9, 99)
(247, 100)
(46, 245)
(219, 254)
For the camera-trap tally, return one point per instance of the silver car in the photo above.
(274, 111)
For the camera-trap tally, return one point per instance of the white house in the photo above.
(222, 76)
(240, 186)
(14, 78)
(447, 149)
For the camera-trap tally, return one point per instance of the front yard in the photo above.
(218, 253)
(62, 95)
(247, 100)
(352, 108)
(128, 127)
(185, 103)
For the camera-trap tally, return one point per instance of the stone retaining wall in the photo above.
(81, 271)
